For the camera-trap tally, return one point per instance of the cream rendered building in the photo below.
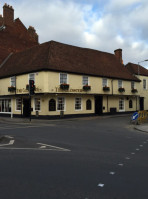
(69, 81)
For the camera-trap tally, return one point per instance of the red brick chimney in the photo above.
(118, 54)
(8, 15)
(32, 33)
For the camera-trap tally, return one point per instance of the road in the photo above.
(90, 158)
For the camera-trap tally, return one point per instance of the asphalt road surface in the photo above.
(90, 158)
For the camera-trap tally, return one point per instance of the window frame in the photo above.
(103, 84)
(30, 78)
(35, 106)
(123, 101)
(49, 105)
(16, 105)
(132, 86)
(13, 81)
(84, 80)
(144, 86)
(63, 104)
(4, 103)
(88, 109)
(79, 104)
(120, 82)
(61, 79)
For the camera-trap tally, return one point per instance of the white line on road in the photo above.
(120, 164)
(33, 149)
(112, 173)
(55, 147)
(10, 143)
(100, 185)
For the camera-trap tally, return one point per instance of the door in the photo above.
(141, 103)
(26, 107)
(98, 104)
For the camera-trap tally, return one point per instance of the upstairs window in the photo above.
(144, 84)
(32, 76)
(104, 82)
(132, 85)
(120, 84)
(85, 80)
(63, 78)
(13, 81)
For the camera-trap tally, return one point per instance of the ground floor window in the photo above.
(5, 105)
(18, 104)
(61, 104)
(78, 103)
(121, 104)
(130, 104)
(37, 104)
(88, 104)
(52, 105)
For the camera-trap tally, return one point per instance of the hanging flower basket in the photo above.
(106, 88)
(121, 90)
(64, 86)
(134, 90)
(11, 89)
(86, 88)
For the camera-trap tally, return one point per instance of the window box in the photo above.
(11, 89)
(86, 88)
(134, 90)
(64, 86)
(106, 88)
(121, 90)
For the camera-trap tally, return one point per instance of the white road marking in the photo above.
(133, 153)
(7, 136)
(55, 147)
(120, 164)
(137, 149)
(144, 142)
(100, 185)
(10, 143)
(141, 145)
(127, 158)
(33, 149)
(112, 173)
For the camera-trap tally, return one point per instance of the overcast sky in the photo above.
(103, 25)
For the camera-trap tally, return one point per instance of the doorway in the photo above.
(141, 103)
(98, 105)
(26, 107)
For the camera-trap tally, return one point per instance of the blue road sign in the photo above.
(135, 116)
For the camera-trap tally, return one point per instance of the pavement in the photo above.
(140, 127)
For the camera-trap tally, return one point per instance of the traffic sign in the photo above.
(135, 116)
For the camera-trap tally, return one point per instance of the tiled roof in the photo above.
(15, 38)
(137, 69)
(61, 57)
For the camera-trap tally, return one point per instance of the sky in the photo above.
(103, 25)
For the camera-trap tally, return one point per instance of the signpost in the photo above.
(135, 116)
